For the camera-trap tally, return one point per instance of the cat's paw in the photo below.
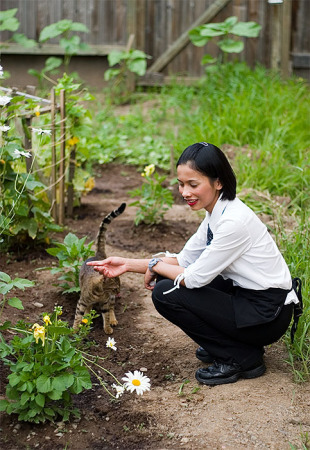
(108, 329)
(113, 322)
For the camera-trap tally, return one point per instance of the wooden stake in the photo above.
(54, 171)
(28, 143)
(62, 157)
(70, 182)
(130, 82)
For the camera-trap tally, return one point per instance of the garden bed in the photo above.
(269, 412)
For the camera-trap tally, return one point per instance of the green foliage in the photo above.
(71, 43)
(6, 285)
(154, 199)
(204, 33)
(51, 67)
(70, 254)
(47, 368)
(24, 205)
(129, 62)
(10, 23)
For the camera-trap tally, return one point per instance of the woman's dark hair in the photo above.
(211, 162)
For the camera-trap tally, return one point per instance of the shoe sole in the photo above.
(247, 374)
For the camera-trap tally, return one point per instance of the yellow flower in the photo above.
(84, 320)
(39, 333)
(89, 184)
(148, 170)
(2, 161)
(47, 320)
(72, 141)
(37, 111)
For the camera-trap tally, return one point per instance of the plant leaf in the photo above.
(246, 29)
(15, 303)
(231, 46)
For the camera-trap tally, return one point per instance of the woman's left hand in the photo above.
(149, 280)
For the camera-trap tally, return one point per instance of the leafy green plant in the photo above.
(24, 205)
(70, 254)
(204, 33)
(49, 364)
(8, 22)
(51, 67)
(130, 62)
(154, 200)
(70, 42)
(46, 370)
(6, 285)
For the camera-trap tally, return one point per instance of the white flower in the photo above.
(4, 100)
(1, 72)
(120, 389)
(19, 153)
(40, 131)
(111, 343)
(137, 382)
(4, 128)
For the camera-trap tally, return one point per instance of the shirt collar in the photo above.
(217, 212)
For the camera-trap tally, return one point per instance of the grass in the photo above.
(266, 122)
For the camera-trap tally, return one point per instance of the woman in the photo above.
(229, 289)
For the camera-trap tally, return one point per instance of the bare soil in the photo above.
(270, 412)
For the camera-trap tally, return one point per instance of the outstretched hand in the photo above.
(111, 267)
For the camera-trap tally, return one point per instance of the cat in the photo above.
(95, 288)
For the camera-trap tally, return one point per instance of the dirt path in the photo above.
(270, 412)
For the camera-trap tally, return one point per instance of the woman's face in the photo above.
(198, 190)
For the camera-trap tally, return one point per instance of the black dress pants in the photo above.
(207, 316)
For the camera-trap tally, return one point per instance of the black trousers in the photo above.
(207, 316)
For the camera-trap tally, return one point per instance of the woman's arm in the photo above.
(116, 266)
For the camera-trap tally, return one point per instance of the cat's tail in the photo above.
(101, 236)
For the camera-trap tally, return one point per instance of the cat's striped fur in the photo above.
(95, 288)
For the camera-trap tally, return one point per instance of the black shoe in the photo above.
(203, 355)
(220, 373)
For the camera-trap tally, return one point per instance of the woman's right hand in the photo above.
(111, 267)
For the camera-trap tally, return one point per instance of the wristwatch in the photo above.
(153, 263)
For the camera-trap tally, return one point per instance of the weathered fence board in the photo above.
(157, 25)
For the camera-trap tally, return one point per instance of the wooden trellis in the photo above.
(58, 172)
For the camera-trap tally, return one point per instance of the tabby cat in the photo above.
(95, 288)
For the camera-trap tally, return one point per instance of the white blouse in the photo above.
(242, 250)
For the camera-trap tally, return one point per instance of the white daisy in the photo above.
(120, 389)
(4, 128)
(39, 131)
(111, 343)
(4, 100)
(19, 153)
(136, 382)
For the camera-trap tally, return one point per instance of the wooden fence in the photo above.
(160, 28)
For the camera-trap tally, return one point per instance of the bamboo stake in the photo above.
(61, 216)
(53, 199)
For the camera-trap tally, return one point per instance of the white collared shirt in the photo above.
(242, 250)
